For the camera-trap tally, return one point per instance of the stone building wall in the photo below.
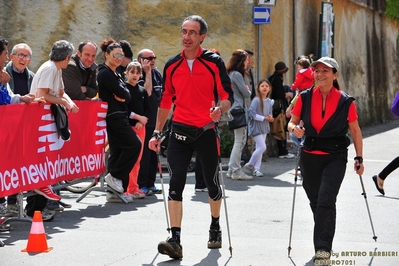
(366, 42)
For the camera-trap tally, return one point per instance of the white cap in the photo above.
(328, 61)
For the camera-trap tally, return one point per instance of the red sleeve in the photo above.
(298, 106)
(352, 114)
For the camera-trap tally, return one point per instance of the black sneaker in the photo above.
(155, 190)
(215, 239)
(171, 248)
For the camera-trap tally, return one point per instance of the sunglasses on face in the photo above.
(150, 58)
(118, 56)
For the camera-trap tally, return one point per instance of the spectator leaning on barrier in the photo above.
(21, 79)
(8, 97)
(48, 84)
(21, 76)
(80, 75)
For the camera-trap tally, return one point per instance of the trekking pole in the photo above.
(295, 180)
(223, 190)
(367, 205)
(163, 190)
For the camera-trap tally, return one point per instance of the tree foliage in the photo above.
(392, 9)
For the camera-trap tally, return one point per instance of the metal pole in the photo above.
(368, 209)
(163, 192)
(293, 200)
(223, 190)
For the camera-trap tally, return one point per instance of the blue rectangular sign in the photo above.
(261, 15)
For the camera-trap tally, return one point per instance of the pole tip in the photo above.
(231, 251)
(289, 251)
(375, 238)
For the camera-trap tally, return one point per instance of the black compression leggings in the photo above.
(179, 156)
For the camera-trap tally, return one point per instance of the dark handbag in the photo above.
(239, 120)
(61, 120)
(277, 107)
(395, 106)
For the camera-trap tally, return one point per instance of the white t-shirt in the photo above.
(48, 76)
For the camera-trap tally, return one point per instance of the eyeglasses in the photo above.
(190, 33)
(24, 56)
(150, 58)
(118, 56)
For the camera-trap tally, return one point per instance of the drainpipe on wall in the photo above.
(293, 39)
(258, 64)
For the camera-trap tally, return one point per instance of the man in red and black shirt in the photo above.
(194, 81)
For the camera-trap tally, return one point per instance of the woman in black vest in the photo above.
(327, 114)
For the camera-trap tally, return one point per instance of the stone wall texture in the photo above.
(366, 42)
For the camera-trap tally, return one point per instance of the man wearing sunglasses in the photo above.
(152, 82)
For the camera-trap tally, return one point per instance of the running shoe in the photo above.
(4, 211)
(241, 176)
(215, 239)
(155, 190)
(201, 189)
(146, 191)
(257, 173)
(171, 248)
(249, 167)
(114, 183)
(113, 198)
(48, 193)
(287, 156)
(14, 208)
(137, 194)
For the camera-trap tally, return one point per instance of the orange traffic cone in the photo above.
(37, 238)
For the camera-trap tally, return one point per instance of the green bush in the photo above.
(392, 9)
(226, 143)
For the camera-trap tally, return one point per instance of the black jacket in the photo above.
(111, 83)
(140, 103)
(74, 77)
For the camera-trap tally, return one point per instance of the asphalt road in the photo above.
(94, 232)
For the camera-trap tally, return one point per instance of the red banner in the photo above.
(34, 155)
